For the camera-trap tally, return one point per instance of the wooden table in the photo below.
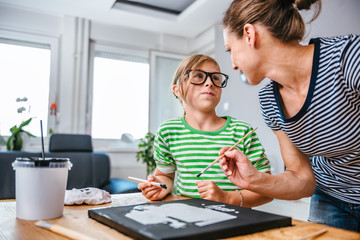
(76, 218)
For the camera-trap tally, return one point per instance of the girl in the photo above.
(188, 144)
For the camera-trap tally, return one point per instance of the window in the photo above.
(25, 84)
(123, 98)
(163, 104)
(120, 95)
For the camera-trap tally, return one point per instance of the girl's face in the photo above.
(243, 56)
(204, 97)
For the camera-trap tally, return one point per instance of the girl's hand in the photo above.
(237, 167)
(210, 191)
(152, 192)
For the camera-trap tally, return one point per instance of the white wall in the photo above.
(337, 17)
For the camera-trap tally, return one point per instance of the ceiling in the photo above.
(186, 18)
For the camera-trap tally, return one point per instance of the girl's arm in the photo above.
(166, 178)
(154, 192)
(244, 198)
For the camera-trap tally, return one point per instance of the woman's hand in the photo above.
(152, 192)
(237, 167)
(296, 182)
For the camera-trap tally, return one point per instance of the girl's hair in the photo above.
(181, 76)
(281, 17)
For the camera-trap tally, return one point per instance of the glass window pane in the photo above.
(24, 75)
(120, 98)
(163, 70)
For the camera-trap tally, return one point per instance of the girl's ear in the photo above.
(250, 34)
(175, 89)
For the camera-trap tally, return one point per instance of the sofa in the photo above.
(90, 169)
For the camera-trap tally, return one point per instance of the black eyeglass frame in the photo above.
(210, 74)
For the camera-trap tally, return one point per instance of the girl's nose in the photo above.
(208, 81)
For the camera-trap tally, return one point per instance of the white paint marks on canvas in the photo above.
(178, 215)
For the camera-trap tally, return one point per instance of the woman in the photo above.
(187, 144)
(312, 104)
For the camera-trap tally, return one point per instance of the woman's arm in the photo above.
(253, 199)
(296, 182)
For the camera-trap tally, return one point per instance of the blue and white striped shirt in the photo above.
(327, 128)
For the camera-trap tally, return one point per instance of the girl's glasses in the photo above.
(198, 77)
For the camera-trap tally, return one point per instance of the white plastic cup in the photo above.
(40, 187)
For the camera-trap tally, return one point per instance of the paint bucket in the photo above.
(40, 187)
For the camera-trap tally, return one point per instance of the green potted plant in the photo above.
(15, 141)
(146, 152)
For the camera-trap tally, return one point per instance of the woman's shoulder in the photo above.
(341, 54)
(267, 88)
(337, 39)
(337, 43)
(267, 93)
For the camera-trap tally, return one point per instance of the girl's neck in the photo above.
(205, 122)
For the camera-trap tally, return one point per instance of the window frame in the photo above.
(154, 122)
(116, 145)
(106, 144)
(53, 44)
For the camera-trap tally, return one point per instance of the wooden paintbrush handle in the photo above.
(69, 233)
(232, 147)
(313, 234)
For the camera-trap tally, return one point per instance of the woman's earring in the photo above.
(244, 79)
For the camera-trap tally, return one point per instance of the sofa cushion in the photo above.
(7, 173)
(88, 170)
(70, 143)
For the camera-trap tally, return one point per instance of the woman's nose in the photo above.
(235, 67)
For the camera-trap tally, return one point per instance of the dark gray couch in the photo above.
(90, 169)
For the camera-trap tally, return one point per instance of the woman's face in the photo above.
(204, 97)
(243, 56)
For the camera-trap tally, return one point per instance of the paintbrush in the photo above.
(153, 183)
(313, 234)
(63, 231)
(221, 156)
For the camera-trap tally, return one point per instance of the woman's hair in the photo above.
(281, 17)
(181, 76)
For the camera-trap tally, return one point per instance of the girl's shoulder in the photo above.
(235, 122)
(171, 123)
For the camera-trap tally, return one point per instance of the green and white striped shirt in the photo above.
(179, 147)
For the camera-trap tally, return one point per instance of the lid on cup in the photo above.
(33, 162)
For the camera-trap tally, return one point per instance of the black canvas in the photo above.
(246, 221)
